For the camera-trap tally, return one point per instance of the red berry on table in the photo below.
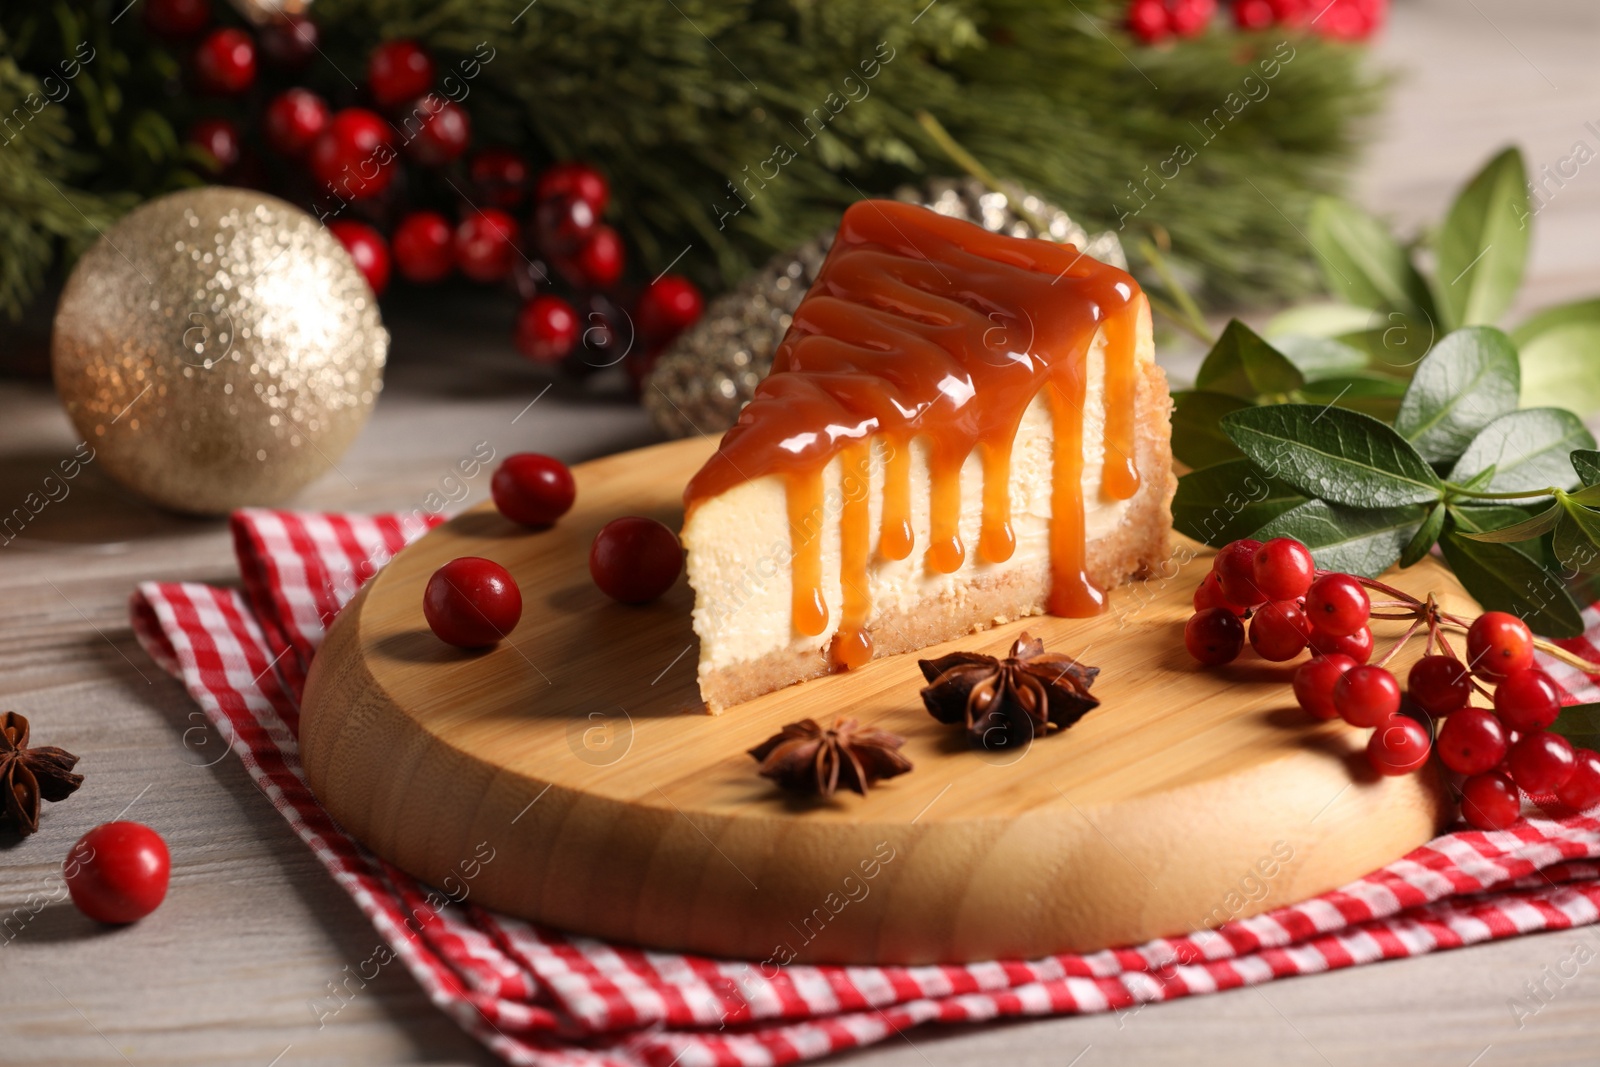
(500, 177)
(424, 247)
(354, 156)
(671, 304)
(1337, 605)
(1581, 791)
(1314, 682)
(1497, 644)
(1490, 801)
(1366, 695)
(442, 130)
(1439, 685)
(533, 490)
(1540, 762)
(1472, 741)
(1527, 700)
(398, 71)
(1149, 21)
(486, 245)
(1214, 636)
(471, 602)
(1358, 646)
(1208, 594)
(1398, 746)
(220, 140)
(1189, 18)
(1283, 569)
(599, 260)
(1235, 570)
(1279, 631)
(177, 18)
(225, 62)
(575, 179)
(366, 247)
(634, 559)
(547, 328)
(1253, 14)
(294, 120)
(289, 41)
(118, 872)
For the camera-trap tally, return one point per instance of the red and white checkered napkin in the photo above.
(537, 996)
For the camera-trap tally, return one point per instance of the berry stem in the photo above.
(1411, 631)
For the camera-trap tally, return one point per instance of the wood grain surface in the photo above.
(235, 966)
(640, 818)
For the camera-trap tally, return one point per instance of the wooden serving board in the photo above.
(578, 758)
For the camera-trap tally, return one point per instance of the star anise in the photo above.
(29, 775)
(808, 759)
(1006, 703)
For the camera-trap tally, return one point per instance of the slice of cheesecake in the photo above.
(960, 429)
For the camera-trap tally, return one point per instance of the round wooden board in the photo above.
(578, 758)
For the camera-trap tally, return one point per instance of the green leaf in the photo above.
(1559, 364)
(1322, 357)
(1580, 724)
(1483, 246)
(1504, 578)
(1197, 437)
(1529, 449)
(1482, 518)
(1469, 379)
(1375, 395)
(1426, 537)
(1316, 320)
(1578, 312)
(1352, 540)
(1479, 483)
(1588, 496)
(1586, 461)
(1577, 540)
(1243, 365)
(1341, 456)
(1362, 262)
(1523, 530)
(1228, 501)
(1397, 344)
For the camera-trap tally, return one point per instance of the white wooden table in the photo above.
(253, 931)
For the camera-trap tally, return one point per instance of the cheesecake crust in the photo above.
(1137, 548)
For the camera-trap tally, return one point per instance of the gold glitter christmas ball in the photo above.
(217, 348)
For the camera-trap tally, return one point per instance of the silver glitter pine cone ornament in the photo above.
(710, 372)
(217, 348)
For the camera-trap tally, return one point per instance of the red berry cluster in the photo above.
(1501, 753)
(389, 168)
(1154, 21)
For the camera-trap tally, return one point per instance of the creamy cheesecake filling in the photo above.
(743, 546)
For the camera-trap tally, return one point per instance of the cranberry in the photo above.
(1314, 682)
(1214, 636)
(1527, 700)
(424, 247)
(1208, 594)
(290, 40)
(500, 177)
(1497, 644)
(398, 71)
(1439, 685)
(1490, 801)
(225, 62)
(354, 156)
(635, 559)
(1472, 741)
(1540, 762)
(599, 260)
(1581, 791)
(533, 490)
(672, 304)
(1358, 646)
(578, 179)
(1337, 605)
(177, 18)
(1366, 695)
(563, 223)
(1283, 569)
(219, 138)
(547, 328)
(366, 247)
(1190, 18)
(471, 602)
(442, 130)
(1279, 631)
(1398, 746)
(486, 245)
(118, 872)
(294, 120)
(1148, 20)
(1235, 570)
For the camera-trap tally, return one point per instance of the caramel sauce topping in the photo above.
(923, 326)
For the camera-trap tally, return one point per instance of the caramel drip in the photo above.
(924, 326)
(852, 645)
(808, 609)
